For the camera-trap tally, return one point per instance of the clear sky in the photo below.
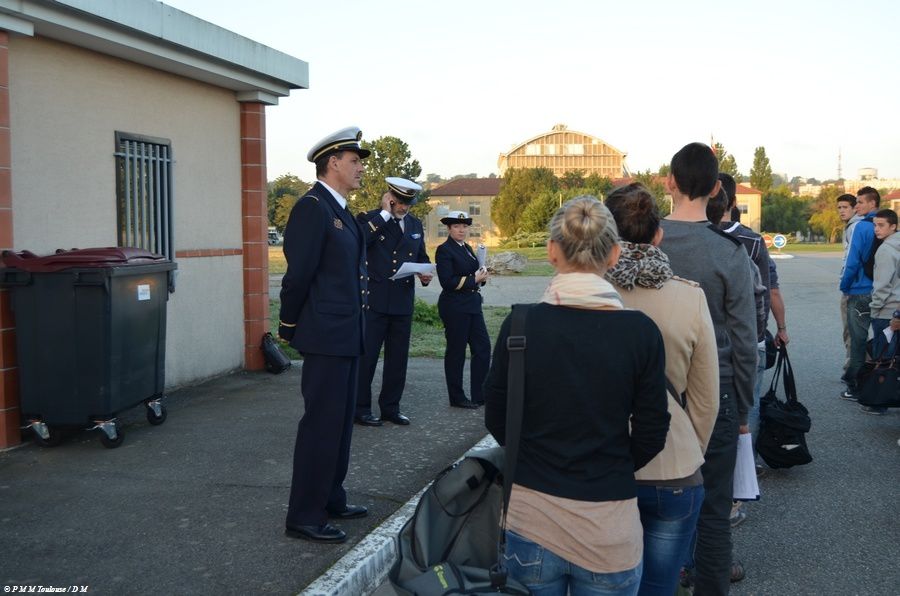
(463, 81)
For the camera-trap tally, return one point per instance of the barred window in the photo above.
(144, 193)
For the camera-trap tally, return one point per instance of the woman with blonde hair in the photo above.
(670, 487)
(591, 369)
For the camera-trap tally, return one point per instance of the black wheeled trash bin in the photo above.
(90, 337)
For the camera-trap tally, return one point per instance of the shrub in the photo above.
(426, 314)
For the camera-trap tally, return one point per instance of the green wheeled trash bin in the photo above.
(90, 337)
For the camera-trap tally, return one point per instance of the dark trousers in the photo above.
(461, 329)
(393, 331)
(712, 555)
(322, 450)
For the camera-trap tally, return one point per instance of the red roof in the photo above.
(461, 187)
(740, 189)
(894, 194)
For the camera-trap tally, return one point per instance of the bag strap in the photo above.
(681, 398)
(515, 397)
(779, 365)
(790, 385)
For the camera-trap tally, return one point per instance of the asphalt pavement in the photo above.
(197, 505)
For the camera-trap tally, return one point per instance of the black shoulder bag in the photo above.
(783, 424)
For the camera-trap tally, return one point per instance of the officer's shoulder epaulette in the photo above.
(724, 234)
(310, 196)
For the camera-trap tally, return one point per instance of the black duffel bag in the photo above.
(879, 384)
(783, 424)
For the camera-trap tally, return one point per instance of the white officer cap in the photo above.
(455, 217)
(346, 139)
(403, 189)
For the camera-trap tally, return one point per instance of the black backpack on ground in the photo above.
(783, 424)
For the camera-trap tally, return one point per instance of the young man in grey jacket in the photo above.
(699, 251)
(885, 288)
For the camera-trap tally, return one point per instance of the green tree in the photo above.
(824, 218)
(284, 185)
(783, 213)
(390, 157)
(597, 185)
(520, 187)
(572, 179)
(283, 206)
(761, 172)
(664, 170)
(538, 212)
(727, 163)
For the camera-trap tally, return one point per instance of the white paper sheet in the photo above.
(746, 488)
(481, 255)
(407, 269)
(888, 333)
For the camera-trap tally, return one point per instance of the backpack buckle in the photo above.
(515, 343)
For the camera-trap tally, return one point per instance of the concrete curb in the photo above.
(366, 566)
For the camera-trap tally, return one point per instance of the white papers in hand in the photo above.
(888, 333)
(407, 269)
(481, 255)
(746, 488)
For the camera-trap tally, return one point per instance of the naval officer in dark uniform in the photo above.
(459, 305)
(393, 237)
(323, 296)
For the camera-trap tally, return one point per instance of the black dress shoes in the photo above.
(368, 420)
(478, 403)
(397, 418)
(324, 533)
(468, 405)
(349, 512)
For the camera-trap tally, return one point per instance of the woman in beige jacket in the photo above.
(670, 487)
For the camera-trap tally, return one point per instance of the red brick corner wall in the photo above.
(10, 433)
(255, 222)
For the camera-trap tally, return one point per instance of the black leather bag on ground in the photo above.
(276, 361)
(783, 424)
(455, 540)
(879, 384)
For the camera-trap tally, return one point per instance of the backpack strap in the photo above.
(515, 398)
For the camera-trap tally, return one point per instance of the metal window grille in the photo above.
(144, 193)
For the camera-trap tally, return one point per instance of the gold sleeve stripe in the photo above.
(462, 282)
(371, 225)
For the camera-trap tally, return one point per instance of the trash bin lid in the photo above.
(110, 256)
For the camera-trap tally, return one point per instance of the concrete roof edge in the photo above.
(163, 37)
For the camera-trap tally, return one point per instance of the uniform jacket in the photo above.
(324, 289)
(456, 267)
(886, 286)
(388, 247)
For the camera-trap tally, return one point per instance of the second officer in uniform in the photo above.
(393, 237)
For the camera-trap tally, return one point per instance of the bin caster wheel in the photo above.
(53, 438)
(112, 443)
(154, 418)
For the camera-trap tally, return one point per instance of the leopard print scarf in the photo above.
(641, 265)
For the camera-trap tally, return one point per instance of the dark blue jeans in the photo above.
(858, 320)
(879, 341)
(669, 516)
(547, 574)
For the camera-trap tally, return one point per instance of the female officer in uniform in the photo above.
(460, 308)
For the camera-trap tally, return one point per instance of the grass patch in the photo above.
(427, 340)
(277, 262)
